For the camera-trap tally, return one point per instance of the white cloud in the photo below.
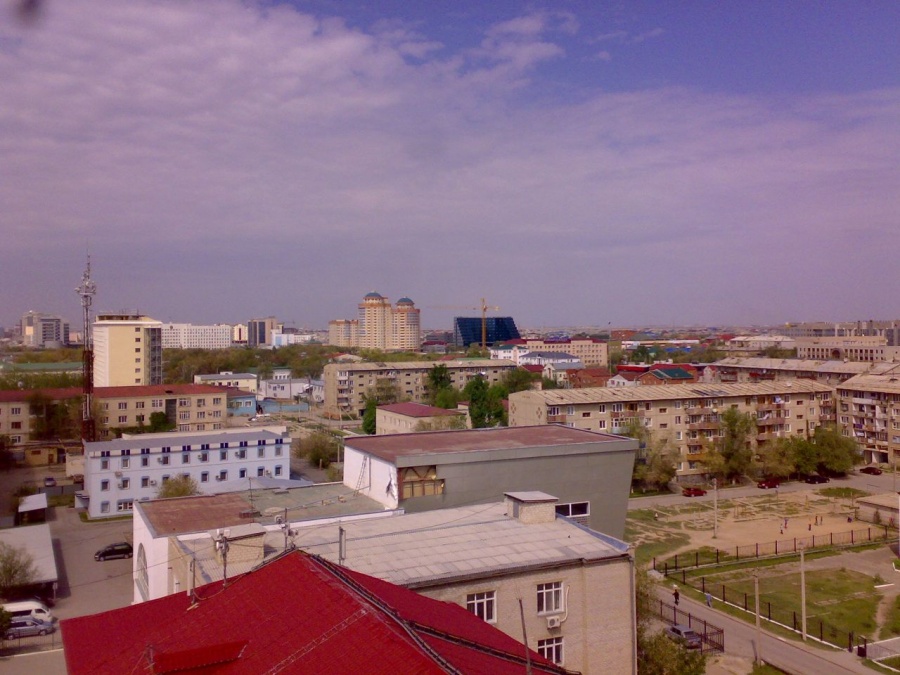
(208, 151)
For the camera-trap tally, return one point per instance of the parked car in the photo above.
(684, 636)
(49, 481)
(23, 626)
(767, 483)
(871, 470)
(121, 549)
(816, 478)
(693, 492)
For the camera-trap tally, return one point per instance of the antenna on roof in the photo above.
(87, 289)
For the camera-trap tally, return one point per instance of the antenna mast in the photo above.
(87, 289)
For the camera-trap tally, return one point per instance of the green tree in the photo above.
(159, 422)
(5, 621)
(385, 391)
(16, 568)
(778, 459)
(444, 423)
(517, 379)
(661, 466)
(179, 486)
(439, 380)
(736, 440)
(319, 448)
(53, 419)
(549, 383)
(836, 453)
(485, 403)
(368, 421)
(448, 398)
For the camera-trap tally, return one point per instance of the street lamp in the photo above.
(715, 484)
(759, 658)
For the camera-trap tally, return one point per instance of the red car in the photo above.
(767, 483)
(693, 492)
(871, 470)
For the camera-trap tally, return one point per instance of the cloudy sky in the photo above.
(575, 163)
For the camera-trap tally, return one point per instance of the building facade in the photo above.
(259, 331)
(830, 372)
(590, 351)
(406, 418)
(127, 350)
(869, 412)
(467, 330)
(379, 325)
(248, 382)
(119, 472)
(686, 415)
(589, 472)
(346, 384)
(189, 336)
(43, 330)
(862, 348)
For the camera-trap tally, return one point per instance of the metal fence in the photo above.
(712, 636)
(785, 546)
(33, 643)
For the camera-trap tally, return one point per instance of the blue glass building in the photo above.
(467, 330)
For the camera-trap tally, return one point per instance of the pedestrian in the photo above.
(785, 523)
(809, 527)
(708, 599)
(782, 531)
(676, 595)
(655, 515)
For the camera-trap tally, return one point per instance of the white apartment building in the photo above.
(686, 415)
(189, 336)
(858, 348)
(591, 352)
(119, 472)
(244, 381)
(127, 350)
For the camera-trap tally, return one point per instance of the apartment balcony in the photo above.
(556, 419)
(770, 421)
(700, 426)
(769, 407)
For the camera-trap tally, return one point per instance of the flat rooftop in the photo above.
(202, 513)
(390, 447)
(179, 438)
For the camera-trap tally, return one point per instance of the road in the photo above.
(873, 484)
(791, 657)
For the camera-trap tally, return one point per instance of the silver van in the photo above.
(32, 608)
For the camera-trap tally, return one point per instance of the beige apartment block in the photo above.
(379, 325)
(590, 351)
(127, 350)
(191, 407)
(860, 348)
(346, 384)
(868, 409)
(687, 415)
(830, 372)
(404, 418)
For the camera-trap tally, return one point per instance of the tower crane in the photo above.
(484, 308)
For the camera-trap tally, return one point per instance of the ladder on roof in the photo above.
(362, 473)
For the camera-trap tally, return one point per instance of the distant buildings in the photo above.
(379, 326)
(889, 330)
(127, 350)
(44, 330)
(259, 331)
(467, 330)
(405, 418)
(590, 351)
(189, 336)
(346, 384)
(248, 382)
(686, 415)
(861, 348)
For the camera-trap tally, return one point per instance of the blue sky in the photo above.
(575, 163)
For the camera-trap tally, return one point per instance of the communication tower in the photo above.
(87, 289)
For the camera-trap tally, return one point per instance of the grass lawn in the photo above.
(844, 599)
(891, 626)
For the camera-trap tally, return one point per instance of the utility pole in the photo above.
(715, 507)
(525, 638)
(802, 594)
(759, 658)
(87, 289)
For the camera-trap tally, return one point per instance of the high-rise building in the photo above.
(467, 330)
(127, 350)
(259, 331)
(44, 330)
(379, 325)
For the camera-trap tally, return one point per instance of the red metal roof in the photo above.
(297, 614)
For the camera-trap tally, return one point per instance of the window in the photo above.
(550, 597)
(204, 476)
(125, 483)
(104, 464)
(145, 461)
(123, 419)
(123, 405)
(125, 505)
(16, 411)
(223, 475)
(156, 403)
(126, 462)
(104, 507)
(483, 605)
(139, 405)
(186, 458)
(16, 425)
(551, 649)
(184, 403)
(223, 455)
(204, 456)
(217, 401)
(617, 407)
(278, 451)
(145, 481)
(260, 471)
(104, 485)
(260, 452)
(164, 460)
(574, 510)
(278, 470)
(184, 415)
(242, 473)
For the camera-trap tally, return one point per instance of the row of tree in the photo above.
(733, 453)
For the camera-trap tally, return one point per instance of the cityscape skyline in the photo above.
(574, 164)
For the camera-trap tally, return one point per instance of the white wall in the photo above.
(379, 480)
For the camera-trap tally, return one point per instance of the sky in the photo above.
(574, 163)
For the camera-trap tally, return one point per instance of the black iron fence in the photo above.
(31, 643)
(785, 546)
(712, 636)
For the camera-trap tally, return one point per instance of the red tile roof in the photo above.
(297, 614)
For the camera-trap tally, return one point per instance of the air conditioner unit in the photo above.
(160, 459)
(118, 474)
(152, 482)
(554, 622)
(120, 485)
(219, 478)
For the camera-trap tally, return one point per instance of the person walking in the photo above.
(708, 599)
(676, 595)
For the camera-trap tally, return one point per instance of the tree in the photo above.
(53, 419)
(549, 383)
(385, 391)
(485, 404)
(368, 422)
(447, 398)
(160, 422)
(837, 453)
(777, 459)
(439, 380)
(319, 448)
(735, 441)
(180, 486)
(443, 423)
(661, 466)
(16, 568)
(6, 620)
(517, 379)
